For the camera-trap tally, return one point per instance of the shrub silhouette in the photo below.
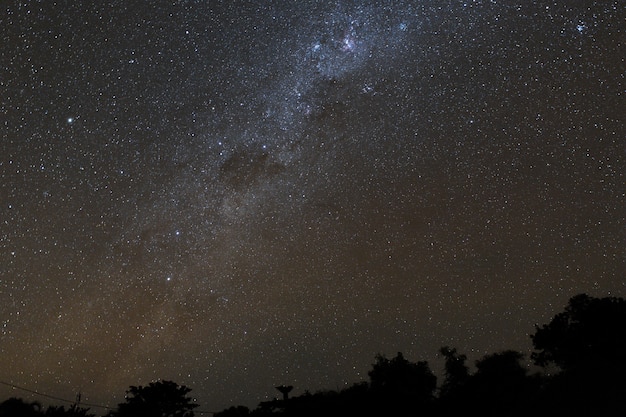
(73, 411)
(16, 407)
(239, 411)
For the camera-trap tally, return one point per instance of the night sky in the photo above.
(239, 194)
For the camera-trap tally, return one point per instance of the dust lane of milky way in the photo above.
(237, 195)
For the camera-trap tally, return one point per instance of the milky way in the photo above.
(237, 195)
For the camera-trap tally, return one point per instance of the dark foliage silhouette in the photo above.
(158, 399)
(400, 386)
(501, 385)
(402, 378)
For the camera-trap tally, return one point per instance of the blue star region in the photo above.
(238, 195)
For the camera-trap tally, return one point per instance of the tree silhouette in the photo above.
(587, 342)
(453, 394)
(158, 399)
(403, 378)
(501, 366)
(456, 372)
(401, 386)
(589, 335)
(501, 386)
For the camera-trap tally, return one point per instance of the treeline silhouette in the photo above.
(582, 352)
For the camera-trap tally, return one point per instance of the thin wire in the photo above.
(51, 396)
(8, 384)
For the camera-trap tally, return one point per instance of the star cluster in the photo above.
(236, 195)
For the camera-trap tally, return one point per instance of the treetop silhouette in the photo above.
(590, 335)
(158, 399)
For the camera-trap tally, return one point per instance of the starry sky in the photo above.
(239, 194)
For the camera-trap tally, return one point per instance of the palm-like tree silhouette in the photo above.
(285, 390)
